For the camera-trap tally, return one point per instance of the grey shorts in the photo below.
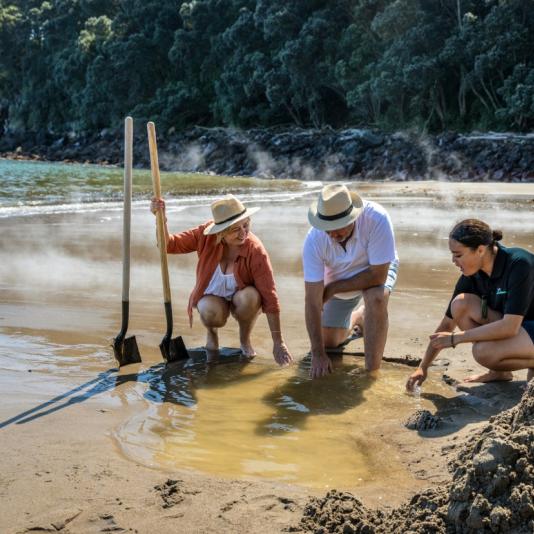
(337, 312)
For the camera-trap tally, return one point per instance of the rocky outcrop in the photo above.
(298, 153)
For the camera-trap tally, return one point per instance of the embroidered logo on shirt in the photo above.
(501, 291)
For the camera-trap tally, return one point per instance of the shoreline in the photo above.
(349, 154)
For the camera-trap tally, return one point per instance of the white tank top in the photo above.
(222, 285)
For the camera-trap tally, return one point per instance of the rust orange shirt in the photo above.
(252, 266)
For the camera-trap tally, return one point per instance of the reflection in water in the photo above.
(248, 419)
(299, 397)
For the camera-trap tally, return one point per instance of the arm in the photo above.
(321, 364)
(280, 351)
(374, 275)
(183, 242)
(503, 328)
(419, 376)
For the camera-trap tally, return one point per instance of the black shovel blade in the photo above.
(126, 351)
(173, 350)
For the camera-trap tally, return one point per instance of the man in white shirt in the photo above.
(349, 253)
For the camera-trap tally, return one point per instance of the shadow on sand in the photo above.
(300, 397)
(175, 382)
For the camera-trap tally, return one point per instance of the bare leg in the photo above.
(245, 308)
(357, 319)
(503, 356)
(213, 314)
(334, 337)
(467, 312)
(376, 324)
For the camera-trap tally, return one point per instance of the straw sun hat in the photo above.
(336, 208)
(227, 211)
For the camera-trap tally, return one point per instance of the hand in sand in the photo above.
(320, 366)
(441, 340)
(416, 379)
(281, 354)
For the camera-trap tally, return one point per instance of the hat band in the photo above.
(336, 216)
(232, 217)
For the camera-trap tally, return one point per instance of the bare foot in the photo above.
(212, 339)
(490, 376)
(248, 350)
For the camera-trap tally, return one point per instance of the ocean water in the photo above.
(39, 188)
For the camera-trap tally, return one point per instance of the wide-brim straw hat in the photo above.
(336, 208)
(226, 212)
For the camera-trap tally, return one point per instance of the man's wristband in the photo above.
(453, 345)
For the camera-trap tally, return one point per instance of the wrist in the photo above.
(457, 338)
(276, 336)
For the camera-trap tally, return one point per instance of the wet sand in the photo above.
(64, 410)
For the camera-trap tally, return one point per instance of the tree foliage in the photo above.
(82, 65)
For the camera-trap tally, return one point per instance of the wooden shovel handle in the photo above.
(126, 223)
(154, 166)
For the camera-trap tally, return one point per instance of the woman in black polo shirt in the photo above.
(492, 305)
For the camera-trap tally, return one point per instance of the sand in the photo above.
(62, 468)
(492, 488)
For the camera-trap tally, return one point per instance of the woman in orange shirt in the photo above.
(233, 275)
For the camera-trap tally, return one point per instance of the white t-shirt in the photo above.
(371, 243)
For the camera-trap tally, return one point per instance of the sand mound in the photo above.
(492, 489)
(422, 420)
(339, 512)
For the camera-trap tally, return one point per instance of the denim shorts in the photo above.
(529, 327)
(337, 312)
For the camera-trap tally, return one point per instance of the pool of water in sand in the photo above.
(249, 419)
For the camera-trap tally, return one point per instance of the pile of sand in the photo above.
(423, 420)
(492, 489)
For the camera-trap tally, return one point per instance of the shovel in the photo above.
(171, 349)
(126, 350)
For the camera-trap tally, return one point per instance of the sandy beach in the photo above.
(90, 448)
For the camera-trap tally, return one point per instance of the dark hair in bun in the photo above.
(472, 233)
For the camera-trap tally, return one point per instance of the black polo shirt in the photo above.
(509, 289)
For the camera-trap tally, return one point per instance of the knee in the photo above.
(463, 303)
(376, 299)
(247, 299)
(482, 353)
(333, 337)
(212, 317)
(212, 314)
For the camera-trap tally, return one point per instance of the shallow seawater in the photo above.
(247, 419)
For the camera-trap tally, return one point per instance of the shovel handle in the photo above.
(127, 217)
(154, 166)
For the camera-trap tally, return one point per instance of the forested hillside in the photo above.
(82, 65)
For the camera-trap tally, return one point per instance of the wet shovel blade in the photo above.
(127, 351)
(173, 350)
